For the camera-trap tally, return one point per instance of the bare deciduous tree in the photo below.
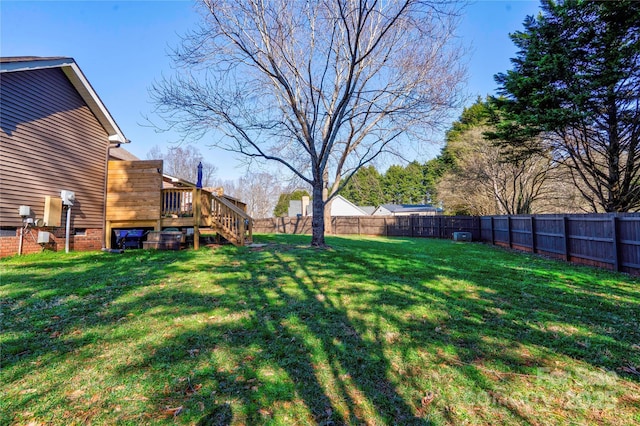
(260, 190)
(322, 88)
(486, 181)
(182, 162)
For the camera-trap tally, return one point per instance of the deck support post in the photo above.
(107, 234)
(197, 213)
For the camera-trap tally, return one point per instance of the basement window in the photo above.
(80, 232)
(8, 232)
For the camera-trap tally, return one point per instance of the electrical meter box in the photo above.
(44, 237)
(52, 211)
(68, 197)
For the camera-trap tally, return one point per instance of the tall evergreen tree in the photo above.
(365, 187)
(576, 81)
(432, 172)
(404, 185)
(282, 206)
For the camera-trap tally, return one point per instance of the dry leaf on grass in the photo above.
(265, 412)
(173, 411)
(193, 389)
(428, 398)
(630, 369)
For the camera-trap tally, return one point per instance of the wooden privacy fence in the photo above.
(606, 240)
(393, 226)
(341, 225)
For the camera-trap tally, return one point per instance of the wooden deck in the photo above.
(136, 199)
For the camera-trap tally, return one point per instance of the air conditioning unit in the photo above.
(462, 236)
(68, 197)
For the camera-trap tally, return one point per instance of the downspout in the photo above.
(20, 242)
(67, 233)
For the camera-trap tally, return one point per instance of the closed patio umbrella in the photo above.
(199, 183)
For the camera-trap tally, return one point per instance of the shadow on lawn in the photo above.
(315, 342)
(492, 321)
(48, 302)
(282, 339)
(294, 351)
(575, 315)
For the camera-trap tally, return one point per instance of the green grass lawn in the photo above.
(372, 331)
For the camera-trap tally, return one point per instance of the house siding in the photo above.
(49, 141)
(342, 207)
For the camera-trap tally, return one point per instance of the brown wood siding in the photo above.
(134, 191)
(49, 141)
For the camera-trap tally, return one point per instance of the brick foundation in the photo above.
(91, 240)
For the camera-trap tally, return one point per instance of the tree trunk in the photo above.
(327, 206)
(317, 223)
(328, 220)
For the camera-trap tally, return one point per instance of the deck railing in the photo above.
(177, 202)
(216, 212)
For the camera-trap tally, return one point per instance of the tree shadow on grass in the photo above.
(283, 350)
(52, 302)
(531, 301)
(494, 320)
(299, 343)
(287, 335)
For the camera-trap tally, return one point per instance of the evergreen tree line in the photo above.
(562, 134)
(414, 183)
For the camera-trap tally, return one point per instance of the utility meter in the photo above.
(68, 197)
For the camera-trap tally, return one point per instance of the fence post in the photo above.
(411, 225)
(533, 235)
(616, 252)
(565, 235)
(509, 231)
(493, 238)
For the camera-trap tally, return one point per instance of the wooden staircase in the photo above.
(227, 219)
(139, 196)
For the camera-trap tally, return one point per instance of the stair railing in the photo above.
(235, 224)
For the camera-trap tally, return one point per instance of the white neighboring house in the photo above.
(340, 206)
(407, 210)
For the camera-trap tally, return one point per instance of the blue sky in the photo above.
(121, 46)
